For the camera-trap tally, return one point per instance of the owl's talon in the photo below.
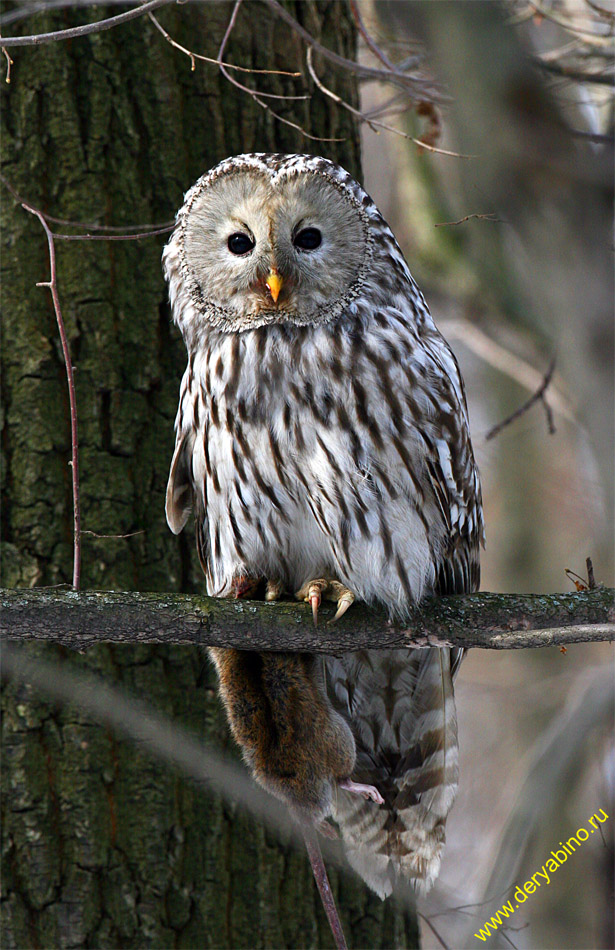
(370, 792)
(311, 593)
(343, 603)
(315, 602)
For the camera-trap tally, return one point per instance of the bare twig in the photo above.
(419, 88)
(145, 230)
(489, 216)
(577, 75)
(257, 96)
(437, 935)
(538, 396)
(53, 287)
(113, 537)
(322, 882)
(591, 580)
(601, 11)
(98, 27)
(373, 124)
(9, 63)
(113, 237)
(599, 39)
(223, 66)
(370, 42)
(28, 8)
(505, 361)
(216, 62)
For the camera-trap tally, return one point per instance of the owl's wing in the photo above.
(180, 487)
(183, 496)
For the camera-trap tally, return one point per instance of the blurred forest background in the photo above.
(513, 249)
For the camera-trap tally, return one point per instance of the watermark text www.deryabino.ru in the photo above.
(552, 864)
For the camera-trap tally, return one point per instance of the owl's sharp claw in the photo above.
(311, 593)
(343, 603)
(343, 597)
(314, 598)
(367, 791)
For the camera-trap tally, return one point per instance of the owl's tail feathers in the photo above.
(415, 766)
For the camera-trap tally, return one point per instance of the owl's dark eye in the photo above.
(308, 239)
(240, 243)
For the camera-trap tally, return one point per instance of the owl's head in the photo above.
(267, 239)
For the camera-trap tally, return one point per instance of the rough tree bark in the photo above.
(489, 621)
(101, 846)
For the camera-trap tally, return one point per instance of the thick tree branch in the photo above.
(490, 621)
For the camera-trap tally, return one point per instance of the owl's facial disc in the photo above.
(258, 250)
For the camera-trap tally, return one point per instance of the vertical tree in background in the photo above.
(103, 847)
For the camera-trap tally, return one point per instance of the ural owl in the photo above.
(322, 442)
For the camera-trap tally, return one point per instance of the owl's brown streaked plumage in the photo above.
(322, 433)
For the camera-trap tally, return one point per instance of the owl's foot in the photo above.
(313, 592)
(367, 791)
(275, 589)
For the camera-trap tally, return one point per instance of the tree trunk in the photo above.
(102, 846)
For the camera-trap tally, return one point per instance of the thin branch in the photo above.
(419, 88)
(113, 537)
(486, 621)
(53, 286)
(601, 11)
(174, 745)
(504, 360)
(322, 882)
(113, 237)
(223, 66)
(370, 42)
(256, 96)
(9, 63)
(28, 8)
(438, 937)
(373, 124)
(489, 216)
(145, 230)
(577, 75)
(216, 62)
(538, 396)
(587, 36)
(98, 27)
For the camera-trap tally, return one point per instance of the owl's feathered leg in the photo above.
(313, 591)
(275, 589)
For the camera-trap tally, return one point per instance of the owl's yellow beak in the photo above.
(274, 283)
